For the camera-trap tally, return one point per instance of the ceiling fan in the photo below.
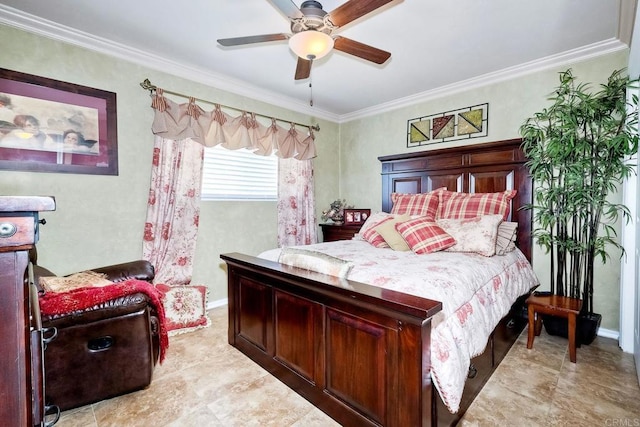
(312, 28)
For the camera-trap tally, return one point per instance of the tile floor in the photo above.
(205, 382)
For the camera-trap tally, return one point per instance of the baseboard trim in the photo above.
(217, 303)
(608, 333)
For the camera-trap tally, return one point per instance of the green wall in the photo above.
(99, 219)
(510, 103)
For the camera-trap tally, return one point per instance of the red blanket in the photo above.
(53, 303)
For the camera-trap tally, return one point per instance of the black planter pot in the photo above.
(586, 329)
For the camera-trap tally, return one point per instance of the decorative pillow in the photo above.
(470, 205)
(391, 236)
(422, 204)
(506, 241)
(473, 234)
(395, 196)
(83, 279)
(372, 236)
(424, 236)
(373, 220)
(315, 261)
(185, 307)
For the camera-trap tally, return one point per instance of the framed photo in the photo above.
(52, 126)
(356, 216)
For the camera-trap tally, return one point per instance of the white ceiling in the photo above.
(436, 45)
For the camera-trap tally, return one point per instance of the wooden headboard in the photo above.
(480, 168)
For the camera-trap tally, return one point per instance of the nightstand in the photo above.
(333, 232)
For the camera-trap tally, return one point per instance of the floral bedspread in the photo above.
(475, 291)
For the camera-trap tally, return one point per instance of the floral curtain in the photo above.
(181, 132)
(173, 211)
(296, 203)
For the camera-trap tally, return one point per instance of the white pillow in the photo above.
(315, 261)
(477, 234)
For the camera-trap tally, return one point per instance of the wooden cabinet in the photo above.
(333, 232)
(22, 386)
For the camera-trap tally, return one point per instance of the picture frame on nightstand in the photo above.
(356, 216)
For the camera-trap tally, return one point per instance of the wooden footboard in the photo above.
(359, 353)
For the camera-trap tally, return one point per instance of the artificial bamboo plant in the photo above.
(578, 151)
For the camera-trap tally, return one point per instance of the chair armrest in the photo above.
(140, 270)
(116, 307)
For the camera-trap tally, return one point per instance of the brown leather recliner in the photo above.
(103, 351)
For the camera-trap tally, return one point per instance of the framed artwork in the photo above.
(53, 126)
(464, 123)
(356, 216)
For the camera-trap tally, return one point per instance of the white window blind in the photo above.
(238, 175)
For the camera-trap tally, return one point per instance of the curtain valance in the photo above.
(210, 128)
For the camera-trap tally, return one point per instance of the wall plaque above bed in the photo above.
(463, 123)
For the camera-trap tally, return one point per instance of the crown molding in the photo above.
(569, 57)
(30, 23)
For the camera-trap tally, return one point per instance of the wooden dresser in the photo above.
(21, 351)
(333, 232)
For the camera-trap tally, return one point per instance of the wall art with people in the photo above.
(36, 124)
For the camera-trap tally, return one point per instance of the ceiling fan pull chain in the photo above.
(310, 89)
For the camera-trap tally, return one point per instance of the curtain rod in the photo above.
(147, 85)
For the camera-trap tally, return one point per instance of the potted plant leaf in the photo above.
(578, 150)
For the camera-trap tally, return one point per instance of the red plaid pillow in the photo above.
(423, 204)
(424, 236)
(470, 205)
(375, 238)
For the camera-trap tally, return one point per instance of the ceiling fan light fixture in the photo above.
(311, 44)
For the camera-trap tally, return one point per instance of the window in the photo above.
(238, 175)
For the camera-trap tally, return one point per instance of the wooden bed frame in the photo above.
(360, 353)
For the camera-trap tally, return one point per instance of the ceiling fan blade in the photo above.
(361, 50)
(303, 69)
(236, 41)
(288, 7)
(352, 10)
